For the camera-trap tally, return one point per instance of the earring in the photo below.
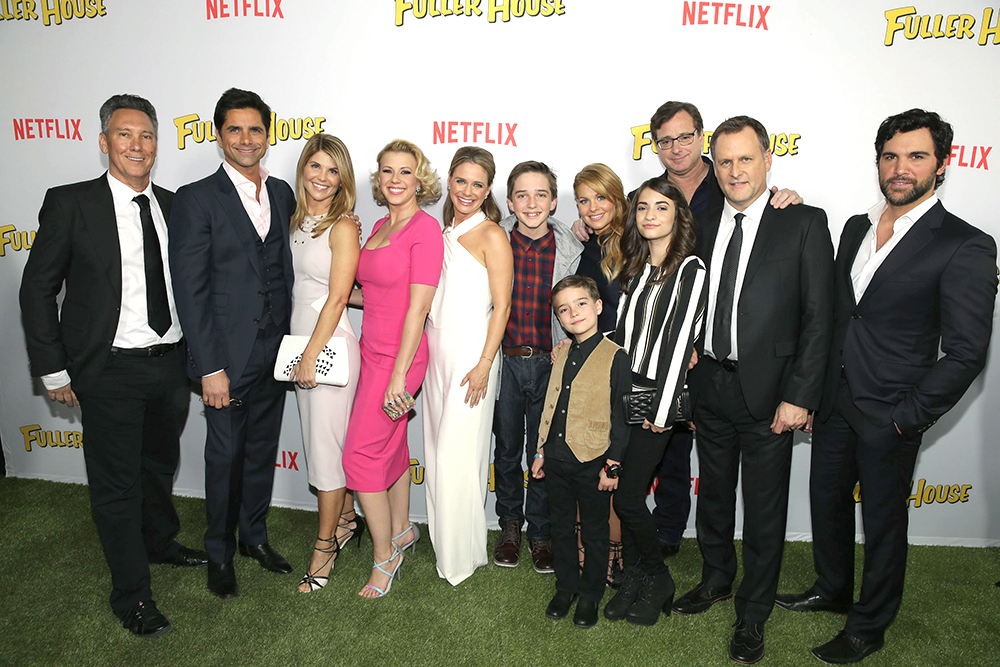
(418, 189)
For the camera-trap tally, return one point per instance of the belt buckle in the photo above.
(531, 350)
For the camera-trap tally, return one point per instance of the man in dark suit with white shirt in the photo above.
(232, 270)
(760, 370)
(910, 278)
(116, 349)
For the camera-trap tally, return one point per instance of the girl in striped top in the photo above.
(659, 317)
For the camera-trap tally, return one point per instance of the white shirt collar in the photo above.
(123, 194)
(914, 214)
(754, 211)
(241, 181)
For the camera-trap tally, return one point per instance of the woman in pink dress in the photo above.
(398, 271)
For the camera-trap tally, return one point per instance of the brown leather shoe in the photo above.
(541, 556)
(508, 551)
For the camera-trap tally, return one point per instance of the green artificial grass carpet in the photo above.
(54, 585)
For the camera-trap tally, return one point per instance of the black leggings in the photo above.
(640, 543)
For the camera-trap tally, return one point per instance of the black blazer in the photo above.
(216, 270)
(76, 244)
(785, 314)
(936, 287)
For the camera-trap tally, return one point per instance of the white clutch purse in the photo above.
(332, 365)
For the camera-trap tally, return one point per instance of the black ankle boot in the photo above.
(655, 597)
(634, 582)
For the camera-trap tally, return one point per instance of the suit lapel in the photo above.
(231, 203)
(853, 238)
(919, 235)
(98, 212)
(708, 230)
(765, 237)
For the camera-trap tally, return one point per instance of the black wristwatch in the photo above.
(612, 471)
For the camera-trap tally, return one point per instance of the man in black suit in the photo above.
(910, 277)
(116, 349)
(762, 356)
(232, 272)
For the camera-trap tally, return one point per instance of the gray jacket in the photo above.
(568, 251)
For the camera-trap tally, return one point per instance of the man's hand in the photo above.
(694, 359)
(64, 395)
(552, 354)
(782, 198)
(215, 390)
(581, 230)
(536, 468)
(788, 417)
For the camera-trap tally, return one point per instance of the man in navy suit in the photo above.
(116, 349)
(232, 274)
(909, 277)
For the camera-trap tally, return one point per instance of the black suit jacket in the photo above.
(937, 287)
(216, 270)
(76, 244)
(785, 313)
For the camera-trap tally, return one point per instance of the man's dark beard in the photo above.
(920, 188)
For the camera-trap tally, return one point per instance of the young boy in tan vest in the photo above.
(581, 442)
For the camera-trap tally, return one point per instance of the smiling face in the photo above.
(321, 179)
(680, 160)
(397, 178)
(532, 202)
(243, 138)
(467, 188)
(907, 168)
(741, 167)
(596, 210)
(130, 145)
(654, 215)
(577, 312)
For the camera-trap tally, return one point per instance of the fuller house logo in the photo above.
(726, 13)
(34, 436)
(51, 11)
(282, 129)
(224, 9)
(10, 237)
(504, 10)
(905, 22)
(784, 143)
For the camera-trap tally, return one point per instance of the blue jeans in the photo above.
(523, 383)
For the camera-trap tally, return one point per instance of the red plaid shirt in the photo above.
(530, 320)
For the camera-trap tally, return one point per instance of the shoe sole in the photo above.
(543, 571)
(811, 611)
(741, 662)
(162, 631)
(499, 564)
(702, 611)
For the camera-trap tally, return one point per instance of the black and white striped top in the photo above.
(658, 324)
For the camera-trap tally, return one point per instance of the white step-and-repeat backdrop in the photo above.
(567, 82)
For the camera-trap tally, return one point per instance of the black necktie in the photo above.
(723, 326)
(157, 308)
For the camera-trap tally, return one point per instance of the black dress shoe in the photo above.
(747, 645)
(559, 606)
(654, 599)
(810, 601)
(633, 583)
(701, 598)
(187, 557)
(145, 620)
(222, 580)
(586, 614)
(845, 649)
(268, 558)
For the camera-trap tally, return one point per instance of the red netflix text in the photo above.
(47, 128)
(726, 13)
(287, 460)
(224, 9)
(466, 131)
(970, 156)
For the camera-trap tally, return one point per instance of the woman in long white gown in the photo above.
(464, 330)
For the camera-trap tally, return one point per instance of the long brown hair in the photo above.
(484, 159)
(343, 201)
(636, 248)
(605, 182)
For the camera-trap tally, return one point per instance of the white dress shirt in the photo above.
(259, 211)
(727, 225)
(133, 326)
(870, 257)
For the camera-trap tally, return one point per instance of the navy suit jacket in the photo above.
(785, 315)
(76, 244)
(936, 288)
(216, 271)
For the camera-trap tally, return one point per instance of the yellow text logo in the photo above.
(905, 22)
(927, 494)
(191, 126)
(9, 236)
(34, 435)
(781, 144)
(53, 12)
(503, 10)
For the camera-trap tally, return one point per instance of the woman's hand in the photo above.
(395, 393)
(477, 379)
(654, 428)
(304, 373)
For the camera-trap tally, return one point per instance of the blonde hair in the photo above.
(602, 180)
(428, 183)
(482, 158)
(343, 201)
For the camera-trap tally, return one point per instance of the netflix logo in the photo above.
(973, 157)
(467, 131)
(224, 9)
(726, 13)
(286, 460)
(47, 128)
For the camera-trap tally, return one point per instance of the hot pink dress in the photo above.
(375, 450)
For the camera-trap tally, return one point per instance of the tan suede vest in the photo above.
(588, 415)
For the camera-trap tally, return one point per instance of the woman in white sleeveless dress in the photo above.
(325, 253)
(464, 331)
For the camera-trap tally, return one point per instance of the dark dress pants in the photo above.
(240, 451)
(848, 449)
(132, 420)
(571, 484)
(523, 383)
(673, 487)
(639, 542)
(729, 438)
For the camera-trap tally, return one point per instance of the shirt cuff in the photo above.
(56, 380)
(206, 375)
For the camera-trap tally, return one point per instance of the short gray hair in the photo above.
(117, 102)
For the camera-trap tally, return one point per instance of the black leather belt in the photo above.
(727, 364)
(524, 351)
(151, 351)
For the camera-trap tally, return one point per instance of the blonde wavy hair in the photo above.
(428, 183)
(605, 182)
(482, 158)
(343, 201)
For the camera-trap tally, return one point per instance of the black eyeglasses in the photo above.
(685, 139)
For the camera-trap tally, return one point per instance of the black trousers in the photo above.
(639, 542)
(132, 420)
(673, 487)
(730, 439)
(240, 451)
(847, 449)
(571, 484)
